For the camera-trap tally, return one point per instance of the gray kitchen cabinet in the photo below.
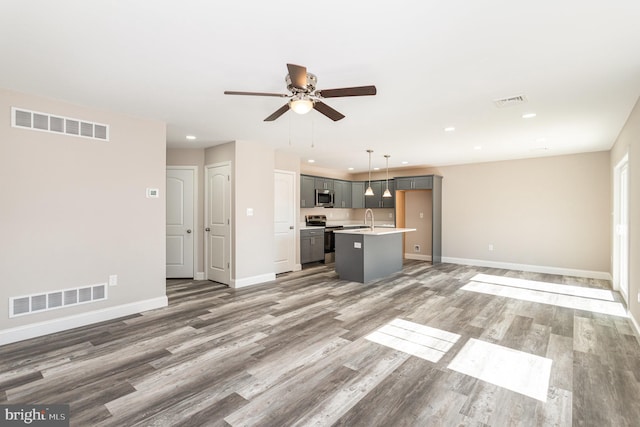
(377, 201)
(311, 245)
(414, 183)
(307, 191)
(357, 195)
(342, 192)
(323, 183)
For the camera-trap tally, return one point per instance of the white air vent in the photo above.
(44, 122)
(512, 100)
(36, 303)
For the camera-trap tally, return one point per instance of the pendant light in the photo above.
(369, 191)
(387, 193)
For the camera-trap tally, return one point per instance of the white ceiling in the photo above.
(435, 64)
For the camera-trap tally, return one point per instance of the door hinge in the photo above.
(228, 221)
(228, 265)
(228, 177)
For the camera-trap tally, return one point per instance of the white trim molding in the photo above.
(34, 330)
(253, 280)
(635, 325)
(419, 257)
(602, 275)
(199, 276)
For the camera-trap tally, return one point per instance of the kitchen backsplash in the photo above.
(338, 214)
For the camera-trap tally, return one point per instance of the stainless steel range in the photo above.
(329, 237)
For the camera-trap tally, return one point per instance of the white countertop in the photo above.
(376, 231)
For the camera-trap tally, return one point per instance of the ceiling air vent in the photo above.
(45, 122)
(512, 100)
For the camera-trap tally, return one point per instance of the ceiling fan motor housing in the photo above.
(312, 80)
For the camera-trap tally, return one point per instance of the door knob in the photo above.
(207, 229)
(189, 231)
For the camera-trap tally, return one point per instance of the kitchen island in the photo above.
(367, 254)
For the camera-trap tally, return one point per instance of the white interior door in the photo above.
(621, 232)
(218, 223)
(284, 221)
(180, 222)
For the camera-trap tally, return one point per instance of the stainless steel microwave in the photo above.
(324, 198)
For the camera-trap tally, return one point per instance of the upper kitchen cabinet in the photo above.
(307, 191)
(377, 201)
(414, 182)
(357, 195)
(324, 183)
(342, 194)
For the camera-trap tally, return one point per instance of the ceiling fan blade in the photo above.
(298, 75)
(328, 111)
(233, 92)
(347, 91)
(280, 111)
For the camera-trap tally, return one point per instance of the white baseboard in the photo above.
(199, 276)
(34, 330)
(418, 257)
(635, 325)
(603, 275)
(254, 280)
(297, 267)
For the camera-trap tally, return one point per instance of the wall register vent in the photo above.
(45, 122)
(37, 303)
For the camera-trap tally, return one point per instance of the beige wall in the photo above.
(550, 211)
(418, 202)
(254, 181)
(74, 210)
(629, 142)
(193, 157)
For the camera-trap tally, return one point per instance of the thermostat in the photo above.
(153, 193)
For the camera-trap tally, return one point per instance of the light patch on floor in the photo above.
(415, 339)
(514, 370)
(542, 297)
(556, 288)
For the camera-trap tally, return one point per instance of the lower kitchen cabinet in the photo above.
(311, 245)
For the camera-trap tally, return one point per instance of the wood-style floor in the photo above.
(294, 352)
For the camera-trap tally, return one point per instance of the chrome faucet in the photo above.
(366, 213)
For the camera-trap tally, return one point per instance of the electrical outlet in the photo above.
(416, 248)
(490, 247)
(390, 215)
(113, 280)
(421, 215)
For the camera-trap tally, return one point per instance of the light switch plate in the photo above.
(249, 211)
(113, 280)
(153, 193)
(357, 245)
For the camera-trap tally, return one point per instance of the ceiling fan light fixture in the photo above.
(301, 105)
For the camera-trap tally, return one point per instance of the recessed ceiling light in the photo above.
(541, 139)
(376, 169)
(311, 161)
(405, 163)
(528, 115)
(449, 129)
(478, 147)
(350, 169)
(191, 137)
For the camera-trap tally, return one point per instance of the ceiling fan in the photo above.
(303, 95)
